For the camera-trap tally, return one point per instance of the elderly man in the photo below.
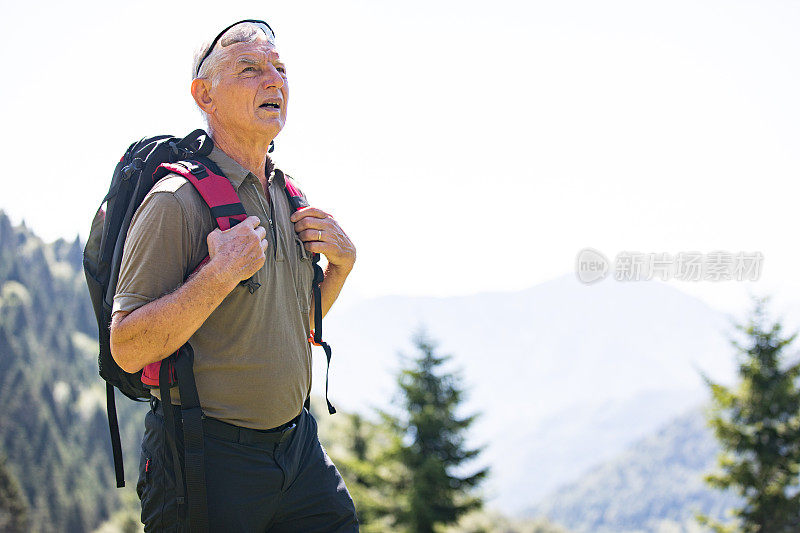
(264, 467)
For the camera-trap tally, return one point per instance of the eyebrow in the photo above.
(254, 55)
(250, 60)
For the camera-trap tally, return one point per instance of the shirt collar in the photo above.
(232, 170)
(235, 172)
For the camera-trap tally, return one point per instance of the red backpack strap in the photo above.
(216, 190)
(226, 209)
(293, 194)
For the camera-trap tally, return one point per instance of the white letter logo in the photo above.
(591, 266)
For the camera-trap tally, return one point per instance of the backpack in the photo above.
(142, 165)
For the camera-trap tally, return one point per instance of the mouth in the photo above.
(271, 104)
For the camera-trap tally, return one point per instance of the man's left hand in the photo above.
(320, 233)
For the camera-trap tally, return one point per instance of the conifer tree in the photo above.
(757, 424)
(433, 447)
(371, 473)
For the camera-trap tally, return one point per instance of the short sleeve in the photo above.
(157, 252)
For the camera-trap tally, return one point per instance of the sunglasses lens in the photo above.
(267, 31)
(260, 24)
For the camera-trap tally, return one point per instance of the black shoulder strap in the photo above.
(297, 201)
(193, 450)
(116, 444)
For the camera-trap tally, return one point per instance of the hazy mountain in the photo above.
(655, 485)
(566, 375)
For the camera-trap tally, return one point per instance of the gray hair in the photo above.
(245, 32)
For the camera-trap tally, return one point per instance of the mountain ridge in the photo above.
(553, 351)
(565, 375)
(656, 484)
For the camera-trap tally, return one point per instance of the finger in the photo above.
(261, 231)
(264, 244)
(252, 221)
(311, 223)
(308, 212)
(213, 234)
(311, 235)
(319, 247)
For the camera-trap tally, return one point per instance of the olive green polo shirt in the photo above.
(252, 358)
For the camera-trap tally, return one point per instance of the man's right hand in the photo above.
(152, 332)
(238, 253)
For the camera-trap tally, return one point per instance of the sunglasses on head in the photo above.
(267, 27)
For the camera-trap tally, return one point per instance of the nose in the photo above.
(272, 78)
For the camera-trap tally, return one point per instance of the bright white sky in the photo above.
(465, 146)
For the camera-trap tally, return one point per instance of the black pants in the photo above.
(281, 481)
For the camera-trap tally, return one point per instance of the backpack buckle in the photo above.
(135, 166)
(251, 284)
(311, 339)
(196, 169)
(178, 153)
(298, 202)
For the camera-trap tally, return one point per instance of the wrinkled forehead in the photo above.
(259, 49)
(247, 31)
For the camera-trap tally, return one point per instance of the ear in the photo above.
(201, 92)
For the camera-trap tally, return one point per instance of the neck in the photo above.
(249, 152)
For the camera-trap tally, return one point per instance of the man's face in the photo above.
(252, 93)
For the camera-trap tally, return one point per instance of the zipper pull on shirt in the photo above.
(268, 211)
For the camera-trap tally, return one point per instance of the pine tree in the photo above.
(370, 471)
(757, 424)
(432, 447)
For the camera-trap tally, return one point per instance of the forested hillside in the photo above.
(656, 485)
(58, 473)
(53, 428)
